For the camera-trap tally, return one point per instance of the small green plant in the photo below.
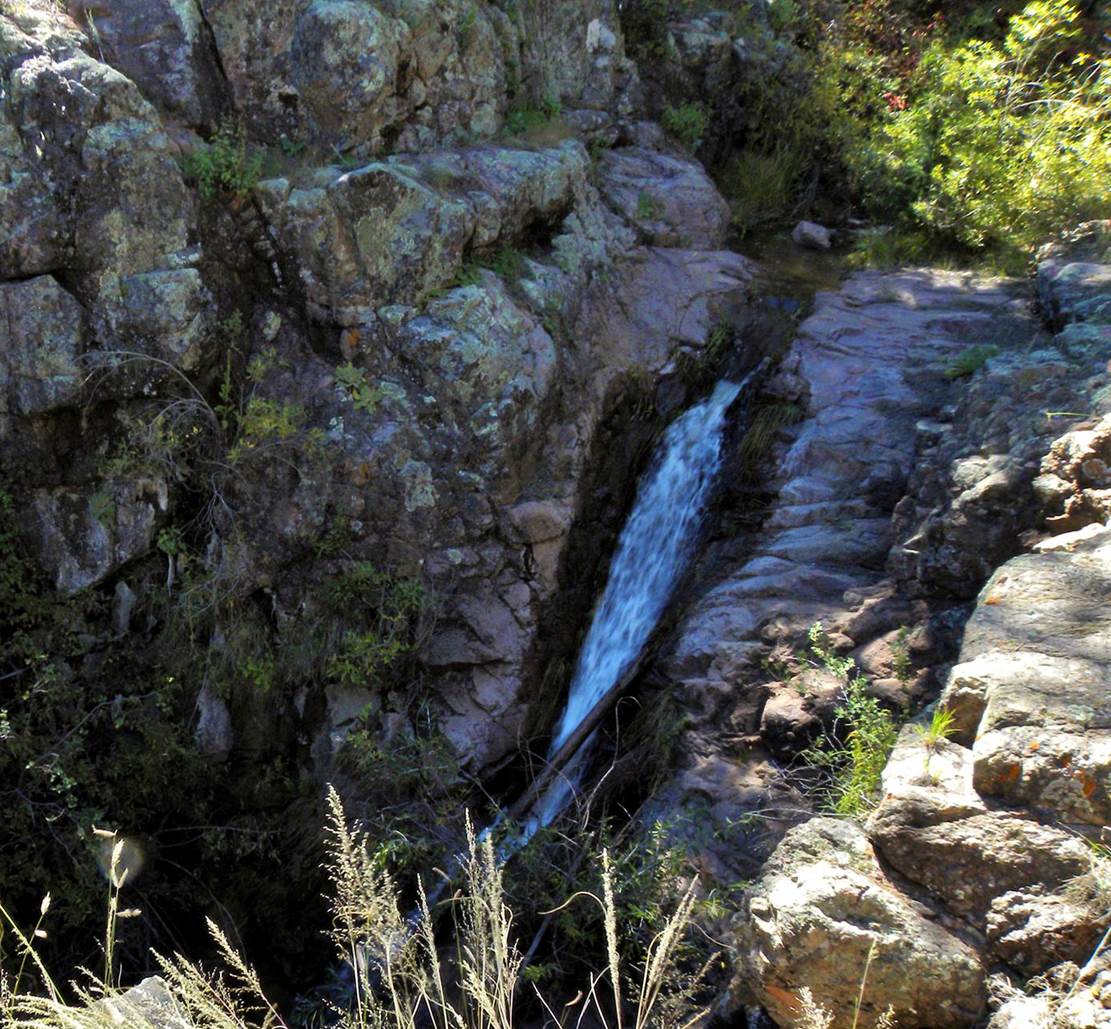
(363, 396)
(942, 726)
(265, 424)
(391, 605)
(854, 759)
(649, 208)
(901, 663)
(718, 341)
(509, 264)
(971, 360)
(687, 123)
(465, 29)
(226, 164)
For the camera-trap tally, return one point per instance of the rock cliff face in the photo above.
(383, 351)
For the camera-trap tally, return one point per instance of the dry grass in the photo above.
(401, 977)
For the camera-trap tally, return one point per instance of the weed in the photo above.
(398, 978)
(901, 663)
(465, 29)
(649, 208)
(768, 421)
(855, 763)
(265, 424)
(761, 184)
(509, 264)
(362, 395)
(942, 726)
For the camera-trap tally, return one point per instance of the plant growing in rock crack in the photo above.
(226, 164)
(901, 663)
(853, 756)
(767, 422)
(358, 390)
(942, 726)
(649, 208)
(970, 361)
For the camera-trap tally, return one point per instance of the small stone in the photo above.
(812, 236)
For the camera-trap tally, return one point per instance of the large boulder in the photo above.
(824, 916)
(1006, 874)
(351, 76)
(1074, 276)
(1041, 640)
(397, 231)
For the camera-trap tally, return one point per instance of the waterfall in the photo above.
(652, 553)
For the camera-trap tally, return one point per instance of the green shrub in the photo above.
(997, 144)
(226, 164)
(687, 123)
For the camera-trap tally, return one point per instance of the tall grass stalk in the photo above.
(401, 979)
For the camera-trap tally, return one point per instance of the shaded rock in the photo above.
(163, 47)
(125, 234)
(214, 734)
(820, 905)
(378, 235)
(41, 341)
(672, 202)
(83, 536)
(812, 236)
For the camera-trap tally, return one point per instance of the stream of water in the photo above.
(652, 553)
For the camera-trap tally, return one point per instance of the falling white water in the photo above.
(652, 553)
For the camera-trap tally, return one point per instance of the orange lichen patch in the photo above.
(783, 998)
(993, 599)
(1088, 784)
(1010, 774)
(1034, 745)
(349, 341)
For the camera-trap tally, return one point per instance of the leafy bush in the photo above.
(687, 123)
(997, 144)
